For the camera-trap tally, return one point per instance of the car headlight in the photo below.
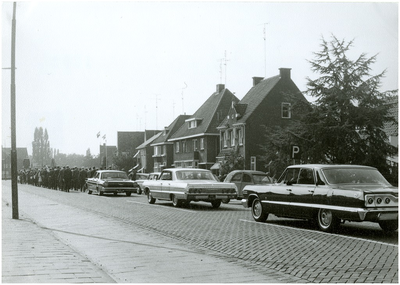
(105, 184)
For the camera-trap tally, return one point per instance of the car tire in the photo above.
(226, 201)
(139, 191)
(175, 201)
(101, 193)
(150, 198)
(88, 191)
(389, 226)
(215, 204)
(327, 221)
(128, 194)
(257, 211)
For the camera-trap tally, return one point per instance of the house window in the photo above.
(286, 111)
(164, 150)
(195, 144)
(176, 147)
(233, 137)
(184, 146)
(253, 162)
(192, 124)
(240, 135)
(157, 150)
(202, 143)
(226, 139)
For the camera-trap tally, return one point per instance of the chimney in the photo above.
(257, 80)
(285, 72)
(220, 87)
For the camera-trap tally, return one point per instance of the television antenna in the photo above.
(265, 47)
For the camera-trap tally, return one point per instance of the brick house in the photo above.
(145, 154)
(196, 142)
(163, 150)
(268, 103)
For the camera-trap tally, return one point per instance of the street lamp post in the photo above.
(14, 174)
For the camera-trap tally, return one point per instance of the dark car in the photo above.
(327, 194)
(241, 178)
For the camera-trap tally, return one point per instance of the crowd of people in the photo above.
(57, 178)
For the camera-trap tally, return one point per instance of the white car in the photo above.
(183, 185)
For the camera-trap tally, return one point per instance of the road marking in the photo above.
(318, 232)
(173, 208)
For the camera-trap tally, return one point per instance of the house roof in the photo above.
(149, 141)
(171, 129)
(256, 95)
(207, 116)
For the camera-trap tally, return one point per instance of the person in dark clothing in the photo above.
(82, 179)
(55, 177)
(67, 178)
(61, 181)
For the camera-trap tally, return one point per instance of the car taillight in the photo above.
(370, 200)
(387, 200)
(379, 200)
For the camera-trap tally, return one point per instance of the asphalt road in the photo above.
(358, 252)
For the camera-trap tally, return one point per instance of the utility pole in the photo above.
(14, 174)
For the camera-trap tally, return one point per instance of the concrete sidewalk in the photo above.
(56, 243)
(31, 254)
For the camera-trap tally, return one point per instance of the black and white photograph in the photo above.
(199, 141)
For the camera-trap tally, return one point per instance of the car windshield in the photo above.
(193, 174)
(261, 179)
(354, 176)
(113, 175)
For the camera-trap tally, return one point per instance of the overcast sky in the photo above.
(89, 67)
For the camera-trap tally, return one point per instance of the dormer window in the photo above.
(192, 124)
(286, 111)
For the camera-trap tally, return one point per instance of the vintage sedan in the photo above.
(327, 194)
(183, 185)
(110, 181)
(142, 177)
(241, 178)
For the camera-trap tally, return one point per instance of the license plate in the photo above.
(211, 196)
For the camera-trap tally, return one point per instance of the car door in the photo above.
(237, 179)
(165, 184)
(302, 194)
(92, 183)
(246, 180)
(280, 194)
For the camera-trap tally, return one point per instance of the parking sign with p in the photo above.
(296, 154)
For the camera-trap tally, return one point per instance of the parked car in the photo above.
(183, 185)
(141, 177)
(327, 194)
(241, 178)
(110, 181)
